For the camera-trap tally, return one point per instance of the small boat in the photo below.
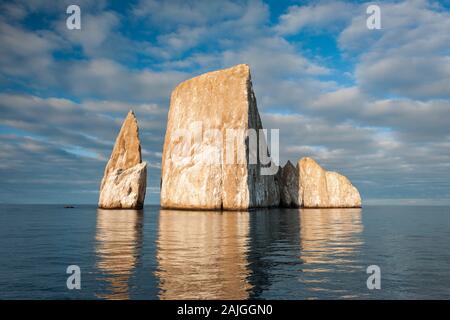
(69, 207)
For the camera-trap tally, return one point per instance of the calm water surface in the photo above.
(262, 254)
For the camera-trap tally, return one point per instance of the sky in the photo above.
(373, 105)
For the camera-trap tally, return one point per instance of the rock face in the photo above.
(341, 192)
(125, 179)
(325, 189)
(290, 193)
(313, 183)
(308, 185)
(200, 169)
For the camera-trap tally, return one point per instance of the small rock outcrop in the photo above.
(325, 189)
(199, 169)
(125, 178)
(308, 185)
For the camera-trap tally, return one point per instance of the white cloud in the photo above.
(320, 16)
(389, 125)
(28, 58)
(408, 57)
(239, 21)
(421, 77)
(57, 138)
(103, 78)
(24, 53)
(170, 14)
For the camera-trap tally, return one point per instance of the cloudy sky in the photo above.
(372, 104)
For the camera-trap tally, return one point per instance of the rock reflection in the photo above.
(274, 251)
(330, 241)
(119, 238)
(329, 235)
(203, 255)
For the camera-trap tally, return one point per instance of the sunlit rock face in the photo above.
(200, 169)
(341, 192)
(290, 193)
(325, 189)
(125, 179)
(313, 183)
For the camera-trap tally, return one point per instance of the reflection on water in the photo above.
(118, 241)
(233, 255)
(274, 252)
(263, 254)
(203, 255)
(258, 254)
(329, 235)
(330, 240)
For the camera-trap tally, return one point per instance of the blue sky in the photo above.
(371, 104)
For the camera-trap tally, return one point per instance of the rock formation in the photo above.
(325, 189)
(313, 183)
(125, 179)
(308, 185)
(200, 169)
(289, 186)
(341, 192)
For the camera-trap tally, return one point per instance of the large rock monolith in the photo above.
(201, 169)
(125, 178)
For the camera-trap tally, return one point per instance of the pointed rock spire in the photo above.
(125, 178)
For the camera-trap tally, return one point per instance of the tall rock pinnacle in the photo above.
(125, 179)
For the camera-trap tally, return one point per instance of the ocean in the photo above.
(261, 254)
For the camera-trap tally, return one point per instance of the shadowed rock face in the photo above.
(202, 173)
(125, 179)
(290, 193)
